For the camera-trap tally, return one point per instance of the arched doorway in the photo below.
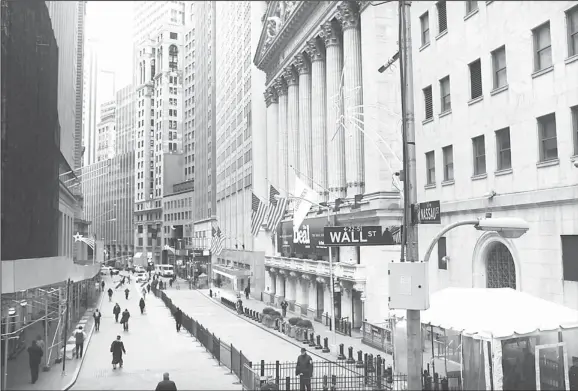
(500, 267)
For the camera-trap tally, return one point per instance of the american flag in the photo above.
(277, 207)
(217, 241)
(258, 214)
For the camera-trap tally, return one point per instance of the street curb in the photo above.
(77, 371)
(265, 328)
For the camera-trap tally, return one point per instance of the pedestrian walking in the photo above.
(111, 273)
(40, 342)
(116, 312)
(97, 315)
(141, 304)
(149, 288)
(171, 283)
(124, 319)
(109, 294)
(144, 293)
(34, 358)
(122, 281)
(247, 291)
(79, 336)
(126, 292)
(178, 315)
(102, 285)
(304, 370)
(284, 305)
(166, 384)
(117, 349)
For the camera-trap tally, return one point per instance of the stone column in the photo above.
(335, 132)
(348, 16)
(272, 104)
(281, 88)
(312, 309)
(318, 116)
(290, 294)
(292, 125)
(305, 152)
(273, 286)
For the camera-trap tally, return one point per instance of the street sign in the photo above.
(354, 236)
(429, 212)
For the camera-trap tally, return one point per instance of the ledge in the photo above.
(496, 91)
(447, 112)
(548, 163)
(479, 176)
(423, 47)
(430, 186)
(475, 100)
(571, 59)
(449, 182)
(472, 13)
(440, 35)
(542, 71)
(505, 171)
(427, 121)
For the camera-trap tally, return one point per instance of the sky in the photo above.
(111, 23)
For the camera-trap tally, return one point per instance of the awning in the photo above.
(496, 313)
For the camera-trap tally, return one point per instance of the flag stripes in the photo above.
(259, 210)
(277, 207)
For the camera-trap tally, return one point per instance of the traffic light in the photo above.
(356, 201)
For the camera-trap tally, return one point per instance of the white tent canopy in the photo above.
(496, 313)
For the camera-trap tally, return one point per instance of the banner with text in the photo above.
(306, 241)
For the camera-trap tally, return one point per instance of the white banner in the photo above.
(305, 197)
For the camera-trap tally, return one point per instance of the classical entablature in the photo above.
(281, 22)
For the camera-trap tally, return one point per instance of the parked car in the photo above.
(141, 277)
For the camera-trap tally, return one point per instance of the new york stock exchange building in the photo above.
(335, 121)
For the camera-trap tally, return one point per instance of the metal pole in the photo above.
(332, 285)
(65, 333)
(46, 325)
(6, 347)
(414, 354)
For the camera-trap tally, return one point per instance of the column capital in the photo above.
(290, 76)
(329, 34)
(302, 64)
(314, 50)
(271, 96)
(348, 15)
(280, 86)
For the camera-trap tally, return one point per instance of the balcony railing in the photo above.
(320, 268)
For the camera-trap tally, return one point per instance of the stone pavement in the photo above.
(153, 346)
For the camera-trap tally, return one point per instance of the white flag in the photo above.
(305, 197)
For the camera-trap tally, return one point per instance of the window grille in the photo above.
(428, 102)
(476, 79)
(500, 268)
(442, 17)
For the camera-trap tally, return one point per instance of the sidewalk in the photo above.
(55, 378)
(153, 347)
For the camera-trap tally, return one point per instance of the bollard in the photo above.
(318, 346)
(262, 368)
(378, 372)
(325, 345)
(445, 384)
(288, 383)
(436, 378)
(341, 355)
(366, 368)
(389, 374)
(325, 388)
(312, 340)
(333, 382)
(359, 359)
(370, 365)
(350, 359)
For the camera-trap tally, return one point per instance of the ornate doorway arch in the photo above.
(495, 263)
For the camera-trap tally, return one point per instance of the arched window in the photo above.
(173, 57)
(500, 267)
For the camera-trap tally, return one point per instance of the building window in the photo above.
(442, 17)
(499, 67)
(448, 153)
(504, 152)
(572, 23)
(173, 58)
(547, 135)
(173, 35)
(428, 102)
(471, 6)
(442, 252)
(575, 128)
(570, 257)
(424, 19)
(542, 47)
(446, 100)
(476, 79)
(430, 168)
(479, 148)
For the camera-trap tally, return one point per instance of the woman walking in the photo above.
(141, 304)
(117, 349)
(124, 319)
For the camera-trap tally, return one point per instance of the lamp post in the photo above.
(331, 282)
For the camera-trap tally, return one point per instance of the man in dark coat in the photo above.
(109, 294)
(304, 370)
(148, 288)
(97, 315)
(102, 285)
(284, 306)
(35, 357)
(166, 384)
(117, 350)
(124, 319)
(116, 312)
(126, 292)
(178, 315)
(141, 304)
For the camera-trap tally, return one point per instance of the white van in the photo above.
(165, 270)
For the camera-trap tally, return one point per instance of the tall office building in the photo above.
(90, 108)
(240, 116)
(106, 131)
(158, 89)
(200, 116)
(79, 85)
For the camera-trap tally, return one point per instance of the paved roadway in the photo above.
(153, 346)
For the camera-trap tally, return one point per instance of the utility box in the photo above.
(408, 285)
